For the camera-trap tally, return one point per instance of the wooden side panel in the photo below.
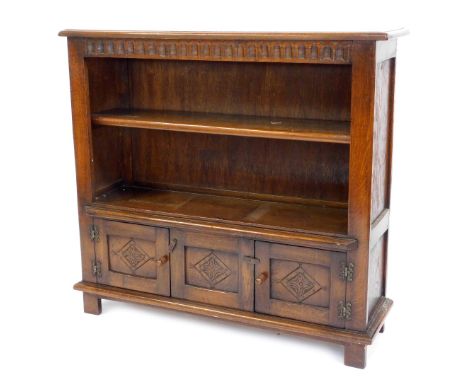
(360, 177)
(82, 138)
(256, 165)
(376, 273)
(263, 89)
(382, 137)
(370, 167)
(382, 166)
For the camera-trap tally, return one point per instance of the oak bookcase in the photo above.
(242, 176)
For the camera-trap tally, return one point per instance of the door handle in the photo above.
(261, 278)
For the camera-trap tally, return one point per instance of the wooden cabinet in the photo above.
(299, 283)
(132, 256)
(287, 281)
(242, 176)
(213, 269)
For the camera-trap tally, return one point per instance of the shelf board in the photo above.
(290, 217)
(225, 124)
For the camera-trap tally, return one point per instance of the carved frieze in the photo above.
(337, 52)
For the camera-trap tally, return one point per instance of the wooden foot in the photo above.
(355, 355)
(92, 304)
(382, 329)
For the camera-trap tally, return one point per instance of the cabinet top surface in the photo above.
(371, 36)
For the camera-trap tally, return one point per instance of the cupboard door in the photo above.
(299, 283)
(212, 269)
(133, 256)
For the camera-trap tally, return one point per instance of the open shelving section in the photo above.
(252, 145)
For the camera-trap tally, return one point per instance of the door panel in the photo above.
(212, 269)
(134, 256)
(299, 283)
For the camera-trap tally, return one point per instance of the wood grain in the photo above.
(237, 175)
(271, 90)
(92, 304)
(108, 84)
(211, 269)
(246, 212)
(360, 177)
(82, 138)
(383, 35)
(225, 124)
(316, 171)
(128, 255)
(381, 135)
(302, 283)
(322, 332)
(379, 227)
(355, 356)
(375, 287)
(327, 242)
(107, 158)
(298, 52)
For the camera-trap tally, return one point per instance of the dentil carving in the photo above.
(268, 51)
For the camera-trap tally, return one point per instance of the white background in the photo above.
(44, 336)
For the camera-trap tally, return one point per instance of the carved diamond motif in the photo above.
(133, 256)
(212, 269)
(300, 284)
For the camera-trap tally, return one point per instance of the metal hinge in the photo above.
(347, 271)
(96, 268)
(344, 310)
(94, 232)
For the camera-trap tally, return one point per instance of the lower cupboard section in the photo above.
(281, 280)
(213, 269)
(299, 283)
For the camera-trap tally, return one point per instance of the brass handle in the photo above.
(162, 260)
(261, 278)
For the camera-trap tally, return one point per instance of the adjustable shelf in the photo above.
(225, 124)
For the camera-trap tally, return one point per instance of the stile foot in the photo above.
(92, 304)
(355, 355)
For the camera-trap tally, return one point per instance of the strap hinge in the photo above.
(94, 232)
(96, 268)
(344, 310)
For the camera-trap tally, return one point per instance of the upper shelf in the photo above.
(224, 124)
(277, 36)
